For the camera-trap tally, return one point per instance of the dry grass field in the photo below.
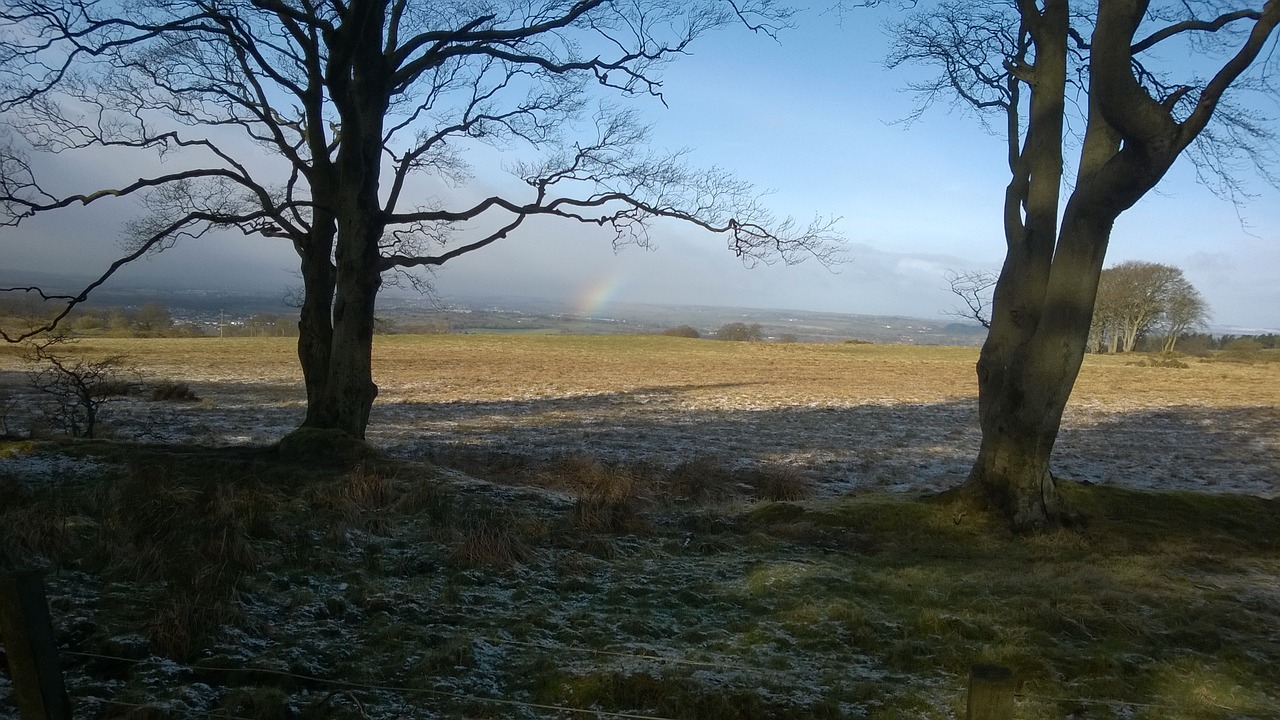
(849, 416)
(646, 527)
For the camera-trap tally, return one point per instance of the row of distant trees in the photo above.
(1204, 344)
(735, 331)
(149, 320)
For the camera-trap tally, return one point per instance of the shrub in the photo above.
(684, 331)
(76, 389)
(173, 392)
(780, 483)
(1245, 350)
(701, 480)
(739, 332)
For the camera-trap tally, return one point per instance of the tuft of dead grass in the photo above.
(427, 499)
(493, 541)
(702, 480)
(780, 483)
(32, 531)
(364, 498)
(609, 498)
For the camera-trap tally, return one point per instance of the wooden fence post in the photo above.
(990, 693)
(27, 631)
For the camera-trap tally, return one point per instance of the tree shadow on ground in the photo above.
(1234, 449)
(895, 446)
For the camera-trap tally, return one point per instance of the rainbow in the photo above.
(598, 294)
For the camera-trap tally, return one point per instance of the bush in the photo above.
(780, 483)
(684, 331)
(1245, 350)
(75, 388)
(1197, 345)
(739, 332)
(173, 392)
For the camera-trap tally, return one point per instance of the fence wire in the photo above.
(351, 685)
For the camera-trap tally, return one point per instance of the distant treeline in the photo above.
(149, 320)
(1204, 344)
(736, 331)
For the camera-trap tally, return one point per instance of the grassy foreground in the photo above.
(187, 581)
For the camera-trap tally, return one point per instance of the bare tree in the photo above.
(1053, 75)
(344, 128)
(76, 388)
(1184, 312)
(974, 288)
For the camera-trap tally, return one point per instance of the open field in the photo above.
(569, 527)
(849, 416)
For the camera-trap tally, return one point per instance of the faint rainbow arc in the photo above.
(598, 294)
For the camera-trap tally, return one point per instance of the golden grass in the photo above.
(480, 368)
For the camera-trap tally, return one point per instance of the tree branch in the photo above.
(1191, 25)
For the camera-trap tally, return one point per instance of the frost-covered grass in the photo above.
(187, 580)
(647, 525)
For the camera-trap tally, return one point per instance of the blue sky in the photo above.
(814, 117)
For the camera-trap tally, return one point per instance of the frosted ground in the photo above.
(1211, 427)
(851, 418)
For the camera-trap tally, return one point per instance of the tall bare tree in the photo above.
(1058, 75)
(345, 128)
(1186, 310)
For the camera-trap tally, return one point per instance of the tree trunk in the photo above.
(350, 390)
(315, 321)
(339, 364)
(1025, 376)
(1011, 473)
(335, 331)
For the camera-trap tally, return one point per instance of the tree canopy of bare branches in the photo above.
(973, 287)
(349, 128)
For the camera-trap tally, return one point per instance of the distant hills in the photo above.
(416, 313)
(540, 315)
